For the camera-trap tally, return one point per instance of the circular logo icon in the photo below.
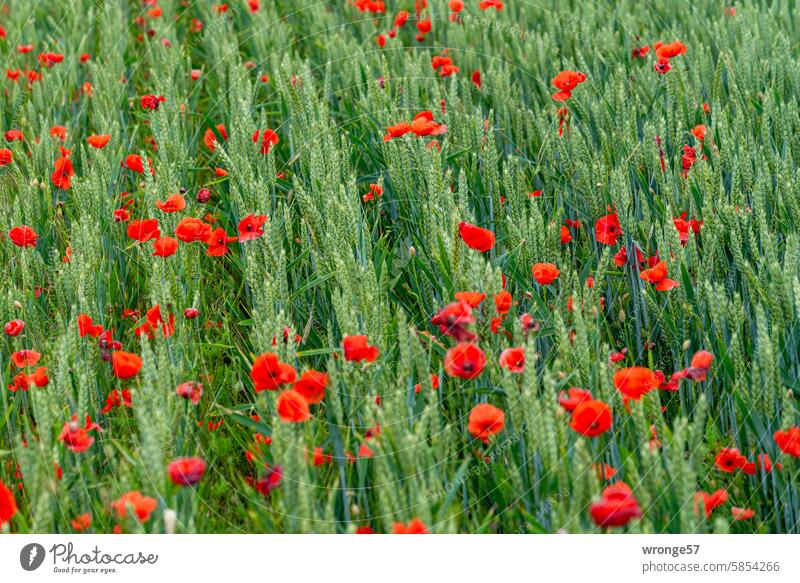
(31, 556)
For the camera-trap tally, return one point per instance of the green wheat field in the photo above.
(363, 266)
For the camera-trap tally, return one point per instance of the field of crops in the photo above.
(295, 266)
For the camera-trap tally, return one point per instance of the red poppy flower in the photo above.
(414, 526)
(59, 132)
(729, 459)
(502, 302)
(268, 373)
(98, 140)
(742, 513)
(22, 381)
(545, 273)
(375, 191)
(186, 471)
(573, 397)
(311, 385)
(688, 158)
(23, 236)
(174, 203)
(496, 326)
(141, 506)
(218, 243)
(465, 360)
(76, 437)
(154, 320)
(357, 349)
(81, 522)
(292, 407)
(635, 381)
(658, 276)
(699, 132)
(476, 79)
(566, 236)
(190, 390)
(444, 65)
(134, 162)
(25, 358)
(14, 328)
(591, 418)
(270, 480)
(513, 359)
(144, 230)
(8, 505)
(191, 229)
(710, 501)
(788, 441)
(475, 237)
(117, 399)
(698, 368)
(566, 82)
(616, 507)
(607, 229)
(87, 327)
(484, 421)
(164, 247)
(268, 139)
(670, 50)
(210, 138)
(38, 377)
(151, 101)
(125, 365)
(453, 319)
(250, 227)
(486, 4)
(472, 299)
(6, 157)
(683, 227)
(397, 131)
(764, 463)
(423, 125)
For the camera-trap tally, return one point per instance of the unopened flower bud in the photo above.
(170, 520)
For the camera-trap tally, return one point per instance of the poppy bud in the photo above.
(412, 251)
(687, 344)
(203, 195)
(183, 190)
(191, 313)
(170, 520)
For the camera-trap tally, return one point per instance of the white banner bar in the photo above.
(486, 558)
